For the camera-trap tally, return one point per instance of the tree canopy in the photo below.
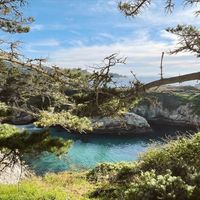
(12, 19)
(135, 7)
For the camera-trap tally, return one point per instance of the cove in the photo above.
(89, 149)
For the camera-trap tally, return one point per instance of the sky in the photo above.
(80, 33)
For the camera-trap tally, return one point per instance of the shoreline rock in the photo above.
(22, 119)
(14, 174)
(128, 123)
(178, 113)
(182, 116)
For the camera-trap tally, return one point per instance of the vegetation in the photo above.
(15, 144)
(51, 187)
(168, 172)
(12, 19)
(66, 120)
(67, 98)
(4, 110)
(32, 190)
(134, 7)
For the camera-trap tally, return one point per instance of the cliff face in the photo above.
(170, 108)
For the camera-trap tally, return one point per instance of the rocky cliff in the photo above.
(170, 108)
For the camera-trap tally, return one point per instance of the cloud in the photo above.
(155, 16)
(37, 27)
(48, 27)
(96, 29)
(104, 6)
(41, 47)
(143, 56)
(180, 16)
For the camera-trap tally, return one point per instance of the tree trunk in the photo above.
(164, 81)
(175, 79)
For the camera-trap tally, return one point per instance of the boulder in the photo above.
(128, 123)
(13, 174)
(22, 119)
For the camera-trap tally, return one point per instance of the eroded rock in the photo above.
(129, 123)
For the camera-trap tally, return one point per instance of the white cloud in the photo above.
(46, 27)
(158, 17)
(143, 56)
(37, 47)
(104, 6)
(155, 16)
(142, 49)
(37, 27)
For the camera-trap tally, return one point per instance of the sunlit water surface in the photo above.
(89, 150)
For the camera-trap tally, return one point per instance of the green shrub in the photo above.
(110, 171)
(151, 186)
(7, 130)
(66, 120)
(16, 140)
(168, 172)
(4, 110)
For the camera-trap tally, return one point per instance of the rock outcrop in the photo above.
(13, 174)
(169, 110)
(22, 119)
(129, 123)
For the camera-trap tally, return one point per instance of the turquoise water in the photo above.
(89, 150)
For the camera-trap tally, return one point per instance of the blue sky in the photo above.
(80, 33)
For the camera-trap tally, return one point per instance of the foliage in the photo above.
(152, 186)
(108, 171)
(4, 110)
(7, 130)
(64, 119)
(169, 172)
(135, 7)
(188, 39)
(14, 141)
(12, 19)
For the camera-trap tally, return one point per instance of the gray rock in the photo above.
(22, 119)
(182, 115)
(13, 174)
(129, 123)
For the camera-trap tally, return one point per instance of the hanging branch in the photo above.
(134, 7)
(101, 77)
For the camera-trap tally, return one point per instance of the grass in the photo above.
(62, 186)
(168, 172)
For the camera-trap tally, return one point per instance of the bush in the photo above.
(168, 172)
(4, 111)
(64, 119)
(151, 186)
(7, 130)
